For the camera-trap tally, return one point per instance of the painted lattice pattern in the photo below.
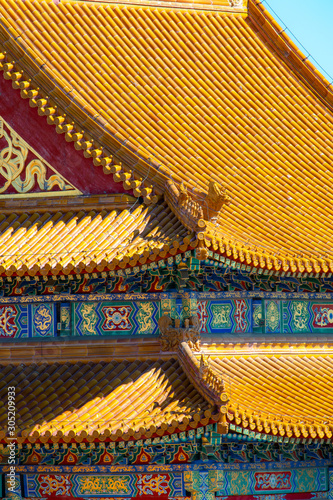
(292, 481)
(225, 316)
(23, 320)
(116, 318)
(117, 485)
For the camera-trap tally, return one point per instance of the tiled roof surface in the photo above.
(202, 94)
(285, 394)
(276, 389)
(84, 240)
(87, 400)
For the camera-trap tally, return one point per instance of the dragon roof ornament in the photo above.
(197, 208)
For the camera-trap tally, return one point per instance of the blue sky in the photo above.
(311, 21)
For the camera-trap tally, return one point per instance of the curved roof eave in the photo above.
(269, 212)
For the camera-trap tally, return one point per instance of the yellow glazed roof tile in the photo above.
(283, 393)
(197, 94)
(78, 240)
(269, 389)
(92, 399)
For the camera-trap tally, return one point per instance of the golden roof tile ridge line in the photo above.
(278, 425)
(134, 173)
(262, 258)
(195, 5)
(266, 23)
(281, 416)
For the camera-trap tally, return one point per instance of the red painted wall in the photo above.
(53, 147)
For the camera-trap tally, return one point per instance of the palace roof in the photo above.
(96, 234)
(278, 388)
(271, 389)
(200, 126)
(119, 399)
(193, 93)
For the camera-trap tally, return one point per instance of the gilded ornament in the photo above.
(43, 319)
(89, 319)
(144, 318)
(8, 328)
(221, 316)
(257, 315)
(272, 315)
(104, 484)
(149, 484)
(300, 315)
(14, 163)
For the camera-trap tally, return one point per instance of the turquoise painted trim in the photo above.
(330, 484)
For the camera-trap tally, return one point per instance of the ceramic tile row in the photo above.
(288, 395)
(86, 400)
(85, 240)
(207, 98)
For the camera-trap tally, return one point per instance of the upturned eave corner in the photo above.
(203, 214)
(228, 412)
(186, 343)
(210, 385)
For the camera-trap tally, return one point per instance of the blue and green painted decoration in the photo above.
(115, 318)
(140, 317)
(115, 485)
(27, 320)
(295, 316)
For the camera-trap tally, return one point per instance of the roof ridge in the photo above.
(228, 6)
(289, 52)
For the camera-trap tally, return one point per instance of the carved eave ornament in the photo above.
(186, 341)
(197, 209)
(210, 385)
(199, 212)
(172, 336)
